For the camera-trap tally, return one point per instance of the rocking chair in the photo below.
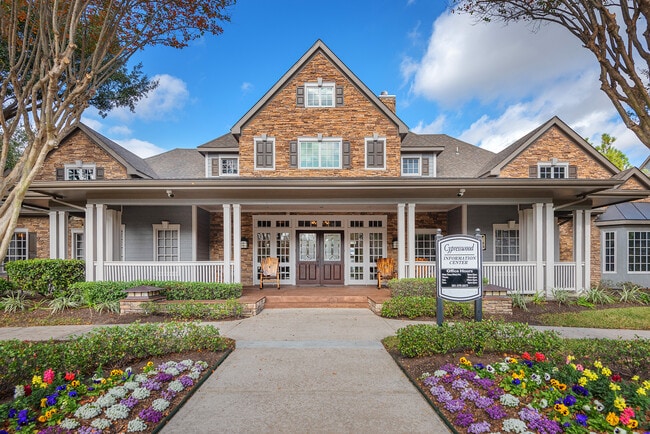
(269, 269)
(385, 270)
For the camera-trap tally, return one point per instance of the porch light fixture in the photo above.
(243, 243)
(395, 243)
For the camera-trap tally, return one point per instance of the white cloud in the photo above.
(120, 130)
(140, 148)
(92, 123)
(163, 102)
(435, 127)
(246, 87)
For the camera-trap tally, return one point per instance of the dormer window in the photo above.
(319, 94)
(228, 166)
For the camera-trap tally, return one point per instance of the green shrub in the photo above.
(598, 294)
(188, 310)
(629, 293)
(562, 296)
(519, 301)
(14, 301)
(103, 347)
(198, 290)
(46, 276)
(425, 340)
(423, 287)
(95, 293)
(6, 286)
(410, 307)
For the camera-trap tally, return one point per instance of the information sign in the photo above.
(459, 266)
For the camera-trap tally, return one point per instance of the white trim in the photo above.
(195, 234)
(604, 252)
(165, 226)
(372, 139)
(236, 235)
(122, 242)
(411, 238)
(79, 165)
(255, 139)
(320, 85)
(20, 231)
(101, 235)
(228, 157)
(578, 246)
(54, 245)
(338, 140)
(433, 165)
(627, 253)
(413, 157)
(74, 232)
(553, 164)
(227, 241)
(505, 226)
(549, 239)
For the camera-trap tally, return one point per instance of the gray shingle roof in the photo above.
(135, 165)
(629, 211)
(178, 164)
(225, 141)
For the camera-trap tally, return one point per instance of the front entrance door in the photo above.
(320, 258)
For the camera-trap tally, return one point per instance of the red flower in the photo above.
(616, 378)
(69, 376)
(526, 356)
(28, 389)
(539, 357)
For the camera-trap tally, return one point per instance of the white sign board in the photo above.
(459, 268)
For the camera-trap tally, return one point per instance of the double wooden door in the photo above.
(319, 258)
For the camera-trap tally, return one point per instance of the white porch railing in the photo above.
(181, 271)
(518, 276)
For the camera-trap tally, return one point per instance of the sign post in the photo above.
(459, 271)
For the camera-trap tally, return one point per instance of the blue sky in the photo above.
(485, 84)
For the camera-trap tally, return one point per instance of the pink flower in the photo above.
(48, 376)
(579, 368)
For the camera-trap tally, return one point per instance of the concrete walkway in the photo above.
(307, 370)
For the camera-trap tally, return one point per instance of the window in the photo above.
(228, 166)
(425, 246)
(411, 166)
(264, 153)
(166, 241)
(638, 251)
(80, 172)
(78, 244)
(506, 243)
(552, 170)
(609, 252)
(375, 151)
(18, 248)
(324, 154)
(319, 94)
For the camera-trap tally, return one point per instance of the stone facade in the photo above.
(282, 119)
(78, 147)
(555, 143)
(40, 227)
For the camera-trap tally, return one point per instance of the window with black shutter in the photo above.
(264, 153)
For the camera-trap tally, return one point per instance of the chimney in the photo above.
(388, 100)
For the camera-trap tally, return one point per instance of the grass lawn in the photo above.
(632, 318)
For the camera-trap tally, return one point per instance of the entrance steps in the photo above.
(315, 301)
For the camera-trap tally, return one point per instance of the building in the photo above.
(323, 174)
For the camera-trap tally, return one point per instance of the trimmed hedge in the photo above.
(46, 276)
(196, 310)
(416, 307)
(94, 293)
(422, 287)
(6, 286)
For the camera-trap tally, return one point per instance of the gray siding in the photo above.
(454, 221)
(621, 262)
(203, 235)
(138, 223)
(483, 217)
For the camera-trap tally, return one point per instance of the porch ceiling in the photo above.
(322, 193)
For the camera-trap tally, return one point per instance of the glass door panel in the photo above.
(332, 248)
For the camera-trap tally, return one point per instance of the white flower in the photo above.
(131, 385)
(117, 411)
(100, 423)
(136, 425)
(599, 405)
(118, 391)
(141, 393)
(160, 404)
(88, 411)
(68, 423)
(176, 386)
(19, 392)
(105, 400)
(509, 400)
(490, 369)
(514, 425)
(439, 373)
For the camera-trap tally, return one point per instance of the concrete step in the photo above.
(322, 301)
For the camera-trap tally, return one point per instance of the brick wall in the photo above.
(554, 143)
(356, 120)
(78, 147)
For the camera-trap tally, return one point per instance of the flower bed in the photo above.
(122, 401)
(530, 394)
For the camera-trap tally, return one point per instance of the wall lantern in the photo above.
(395, 243)
(244, 243)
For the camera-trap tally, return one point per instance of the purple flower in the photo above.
(527, 363)
(496, 412)
(151, 415)
(579, 390)
(151, 384)
(431, 381)
(516, 381)
(455, 405)
(51, 399)
(89, 430)
(186, 381)
(479, 366)
(54, 430)
(464, 419)
(469, 394)
(130, 402)
(581, 419)
(483, 402)
(459, 384)
(23, 417)
(164, 377)
(545, 426)
(528, 414)
(479, 427)
(168, 394)
(61, 388)
(569, 400)
(12, 413)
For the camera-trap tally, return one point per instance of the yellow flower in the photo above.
(116, 372)
(640, 391)
(614, 386)
(464, 361)
(633, 423)
(49, 413)
(42, 419)
(103, 381)
(582, 381)
(598, 364)
(562, 387)
(635, 378)
(570, 358)
(43, 402)
(513, 360)
(606, 372)
(646, 384)
(590, 374)
(573, 365)
(619, 403)
(565, 412)
(36, 380)
(612, 419)
(150, 364)
(75, 383)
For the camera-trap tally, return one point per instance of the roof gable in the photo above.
(319, 46)
(633, 179)
(494, 166)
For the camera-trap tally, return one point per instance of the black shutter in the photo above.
(425, 166)
(214, 166)
(346, 155)
(532, 171)
(264, 154)
(339, 96)
(375, 154)
(99, 173)
(60, 174)
(573, 171)
(293, 153)
(31, 245)
(300, 96)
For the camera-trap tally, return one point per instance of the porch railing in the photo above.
(565, 275)
(151, 270)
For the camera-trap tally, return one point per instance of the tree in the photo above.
(57, 57)
(615, 31)
(607, 149)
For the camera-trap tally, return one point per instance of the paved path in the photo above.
(307, 370)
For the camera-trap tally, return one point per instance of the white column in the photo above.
(411, 239)
(549, 238)
(523, 251)
(54, 242)
(236, 236)
(530, 234)
(587, 238)
(63, 234)
(401, 234)
(101, 236)
(463, 219)
(578, 243)
(539, 244)
(227, 240)
(89, 228)
(195, 235)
